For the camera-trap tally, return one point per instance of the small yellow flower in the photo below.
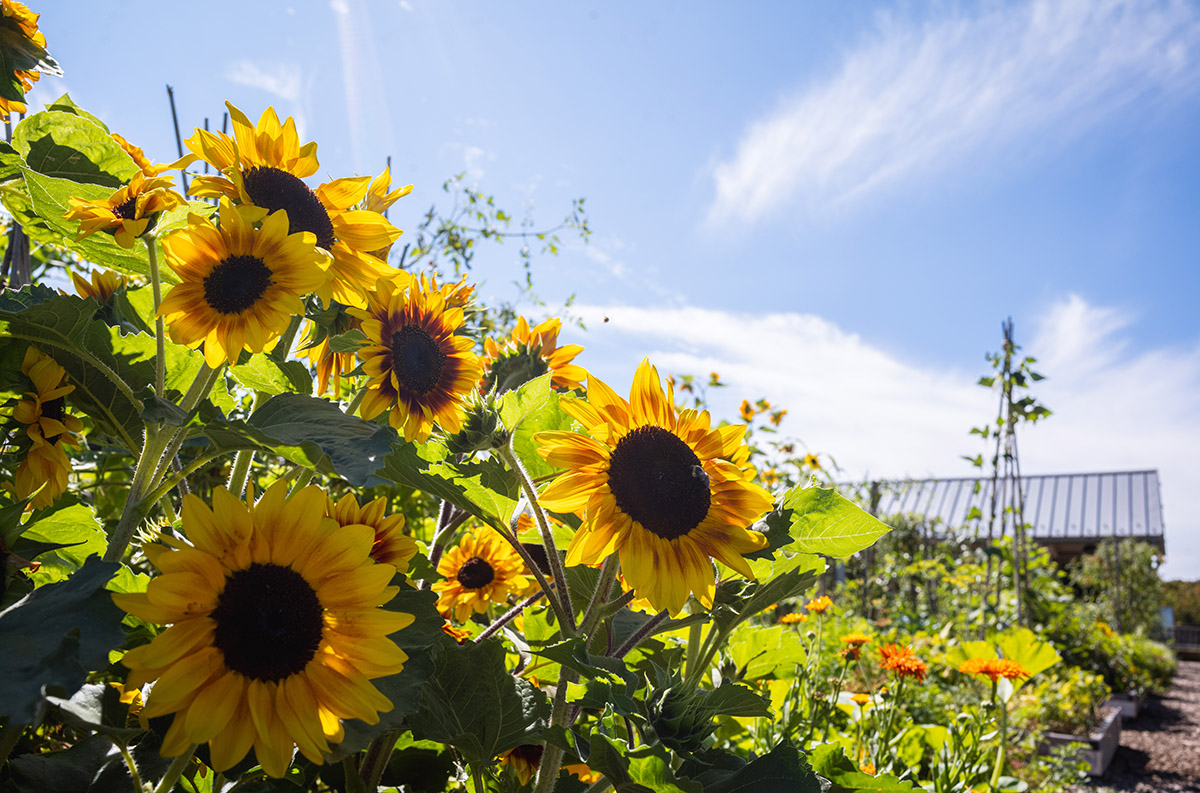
(793, 618)
(747, 410)
(860, 699)
(482, 570)
(17, 18)
(819, 605)
(812, 461)
(127, 213)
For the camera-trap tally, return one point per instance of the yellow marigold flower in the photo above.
(793, 618)
(392, 546)
(265, 165)
(19, 19)
(140, 159)
(667, 525)
(860, 699)
(902, 661)
(867, 768)
(530, 353)
(819, 605)
(1105, 628)
(275, 629)
(747, 410)
(101, 287)
(855, 639)
(481, 570)
(48, 429)
(812, 461)
(420, 369)
(240, 286)
(127, 213)
(994, 668)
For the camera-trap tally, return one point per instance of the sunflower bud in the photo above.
(680, 719)
(482, 429)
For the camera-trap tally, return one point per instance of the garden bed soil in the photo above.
(1160, 752)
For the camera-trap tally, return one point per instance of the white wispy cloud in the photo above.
(879, 415)
(914, 98)
(281, 79)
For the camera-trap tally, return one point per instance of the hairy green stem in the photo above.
(284, 345)
(509, 616)
(377, 757)
(134, 776)
(1002, 749)
(175, 771)
(156, 286)
(640, 635)
(552, 755)
(592, 614)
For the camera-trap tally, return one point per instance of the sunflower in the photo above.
(275, 632)
(420, 370)
(265, 165)
(812, 461)
(17, 18)
(48, 428)
(379, 198)
(101, 287)
(392, 546)
(127, 213)
(994, 668)
(656, 486)
(529, 353)
(481, 570)
(523, 760)
(240, 286)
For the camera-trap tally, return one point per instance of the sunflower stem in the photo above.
(552, 755)
(134, 776)
(175, 771)
(509, 616)
(640, 635)
(477, 778)
(284, 345)
(510, 535)
(557, 571)
(594, 611)
(376, 760)
(156, 286)
(240, 473)
(354, 782)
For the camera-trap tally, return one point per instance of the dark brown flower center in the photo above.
(268, 622)
(417, 359)
(274, 189)
(658, 481)
(54, 409)
(127, 210)
(475, 573)
(236, 284)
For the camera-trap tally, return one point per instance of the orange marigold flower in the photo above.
(792, 619)
(860, 699)
(903, 661)
(851, 653)
(994, 668)
(819, 605)
(867, 768)
(856, 639)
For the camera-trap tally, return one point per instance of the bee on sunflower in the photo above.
(47, 429)
(128, 212)
(421, 370)
(529, 353)
(656, 486)
(265, 165)
(275, 632)
(240, 286)
(482, 570)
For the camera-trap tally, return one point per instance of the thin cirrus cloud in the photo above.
(881, 416)
(279, 79)
(914, 98)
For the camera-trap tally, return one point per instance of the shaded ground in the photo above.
(1160, 752)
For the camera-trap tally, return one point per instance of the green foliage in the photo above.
(1121, 577)
(825, 522)
(1068, 702)
(53, 637)
(1019, 644)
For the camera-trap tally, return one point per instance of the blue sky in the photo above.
(834, 205)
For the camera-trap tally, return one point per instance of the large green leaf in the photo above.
(785, 577)
(76, 528)
(53, 636)
(264, 373)
(473, 703)
(483, 488)
(760, 652)
(641, 770)
(312, 432)
(18, 52)
(66, 145)
(782, 770)
(530, 409)
(823, 521)
(830, 761)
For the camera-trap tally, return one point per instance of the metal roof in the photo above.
(1060, 507)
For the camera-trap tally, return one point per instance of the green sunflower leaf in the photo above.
(76, 534)
(830, 761)
(53, 636)
(68, 146)
(484, 488)
(784, 769)
(641, 770)
(264, 373)
(825, 522)
(475, 704)
(787, 576)
(531, 409)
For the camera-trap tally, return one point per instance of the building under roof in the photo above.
(1069, 513)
